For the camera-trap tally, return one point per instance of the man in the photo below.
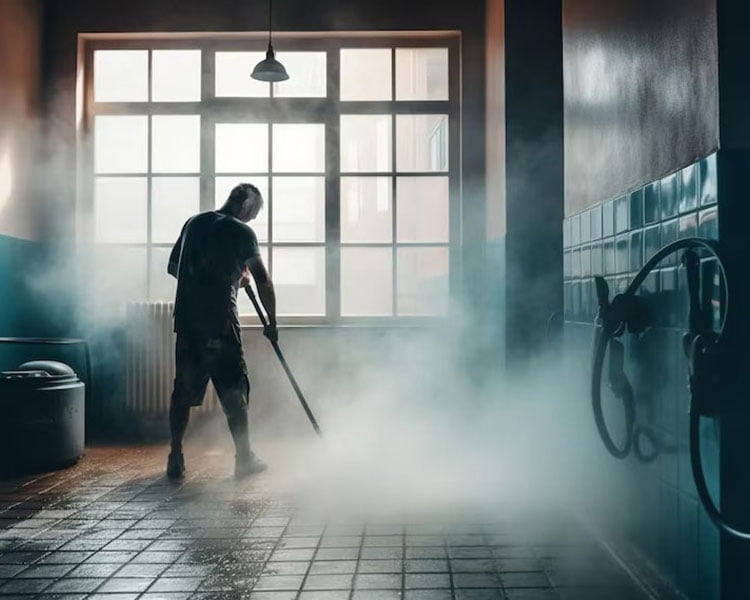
(214, 256)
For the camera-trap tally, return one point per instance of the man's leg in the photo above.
(179, 416)
(233, 391)
(233, 387)
(190, 384)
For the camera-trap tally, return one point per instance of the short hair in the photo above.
(242, 192)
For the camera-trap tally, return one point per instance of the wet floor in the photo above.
(112, 528)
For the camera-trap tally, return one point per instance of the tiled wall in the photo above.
(660, 514)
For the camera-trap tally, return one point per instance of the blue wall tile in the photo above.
(636, 209)
(689, 194)
(652, 241)
(651, 211)
(669, 235)
(597, 265)
(688, 226)
(608, 218)
(585, 227)
(608, 253)
(636, 250)
(708, 226)
(586, 261)
(622, 213)
(575, 230)
(596, 222)
(669, 193)
(707, 180)
(622, 256)
(575, 260)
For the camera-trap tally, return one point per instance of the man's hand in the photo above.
(271, 332)
(245, 279)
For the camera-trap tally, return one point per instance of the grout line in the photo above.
(310, 563)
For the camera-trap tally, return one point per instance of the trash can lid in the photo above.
(51, 367)
(39, 374)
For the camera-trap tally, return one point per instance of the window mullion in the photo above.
(207, 141)
(394, 199)
(333, 193)
(149, 182)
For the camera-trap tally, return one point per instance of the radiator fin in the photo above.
(150, 364)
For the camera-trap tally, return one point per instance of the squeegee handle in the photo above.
(282, 360)
(297, 390)
(254, 300)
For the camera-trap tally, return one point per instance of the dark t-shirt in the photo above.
(210, 254)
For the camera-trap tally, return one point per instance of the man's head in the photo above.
(244, 202)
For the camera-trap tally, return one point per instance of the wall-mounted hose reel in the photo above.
(701, 344)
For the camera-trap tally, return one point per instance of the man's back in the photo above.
(210, 254)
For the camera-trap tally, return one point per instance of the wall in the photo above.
(640, 93)
(20, 115)
(495, 219)
(534, 173)
(652, 505)
(641, 128)
(20, 87)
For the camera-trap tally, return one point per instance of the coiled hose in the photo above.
(627, 313)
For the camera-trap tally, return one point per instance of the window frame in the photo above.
(280, 110)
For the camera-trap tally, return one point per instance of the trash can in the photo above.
(42, 417)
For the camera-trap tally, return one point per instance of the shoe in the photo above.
(175, 466)
(248, 465)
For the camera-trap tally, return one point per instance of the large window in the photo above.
(356, 156)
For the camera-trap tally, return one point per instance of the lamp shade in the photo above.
(270, 69)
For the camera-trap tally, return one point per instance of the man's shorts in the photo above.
(219, 359)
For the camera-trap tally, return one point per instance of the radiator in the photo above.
(150, 360)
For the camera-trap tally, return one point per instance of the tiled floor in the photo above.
(112, 528)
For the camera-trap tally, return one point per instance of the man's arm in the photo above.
(265, 291)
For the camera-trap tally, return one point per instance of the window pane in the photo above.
(241, 148)
(120, 144)
(120, 209)
(163, 286)
(224, 185)
(423, 209)
(173, 201)
(176, 76)
(307, 75)
(244, 306)
(366, 74)
(365, 143)
(233, 79)
(366, 209)
(299, 148)
(299, 209)
(299, 278)
(121, 75)
(422, 280)
(176, 144)
(422, 142)
(366, 281)
(421, 73)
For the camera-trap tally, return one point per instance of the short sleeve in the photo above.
(251, 248)
(174, 255)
